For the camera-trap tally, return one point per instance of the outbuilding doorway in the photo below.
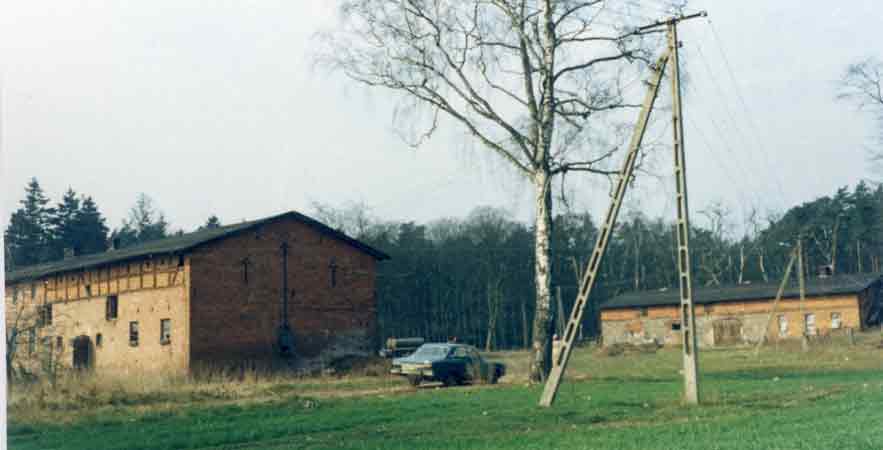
(82, 352)
(727, 331)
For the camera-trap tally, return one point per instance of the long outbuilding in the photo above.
(741, 314)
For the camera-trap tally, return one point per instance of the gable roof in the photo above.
(177, 245)
(839, 284)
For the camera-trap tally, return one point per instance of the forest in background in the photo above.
(473, 277)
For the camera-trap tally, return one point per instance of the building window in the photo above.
(45, 315)
(810, 324)
(99, 339)
(245, 262)
(332, 267)
(133, 334)
(783, 325)
(32, 341)
(644, 312)
(675, 326)
(59, 344)
(112, 307)
(165, 331)
(47, 344)
(835, 321)
(88, 290)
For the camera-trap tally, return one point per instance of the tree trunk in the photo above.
(858, 256)
(762, 267)
(542, 323)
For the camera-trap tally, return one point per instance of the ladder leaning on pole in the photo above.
(688, 323)
(589, 276)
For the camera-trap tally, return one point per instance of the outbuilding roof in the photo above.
(178, 245)
(834, 285)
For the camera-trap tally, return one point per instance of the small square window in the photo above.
(112, 307)
(835, 321)
(133, 334)
(99, 339)
(165, 331)
(675, 326)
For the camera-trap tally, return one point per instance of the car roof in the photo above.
(446, 345)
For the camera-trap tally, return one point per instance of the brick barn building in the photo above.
(740, 314)
(283, 286)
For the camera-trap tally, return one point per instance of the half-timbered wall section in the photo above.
(144, 291)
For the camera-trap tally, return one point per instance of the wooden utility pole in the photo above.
(590, 274)
(804, 340)
(779, 293)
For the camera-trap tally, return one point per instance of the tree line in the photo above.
(471, 278)
(39, 232)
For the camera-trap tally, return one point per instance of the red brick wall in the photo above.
(232, 319)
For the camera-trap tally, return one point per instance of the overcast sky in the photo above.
(214, 108)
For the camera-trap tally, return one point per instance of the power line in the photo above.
(749, 117)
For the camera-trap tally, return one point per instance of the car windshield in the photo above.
(431, 352)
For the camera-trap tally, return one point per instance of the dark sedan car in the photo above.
(451, 364)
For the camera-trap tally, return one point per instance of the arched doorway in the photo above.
(82, 352)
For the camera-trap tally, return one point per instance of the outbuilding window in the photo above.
(810, 324)
(133, 334)
(835, 321)
(112, 307)
(165, 331)
(99, 340)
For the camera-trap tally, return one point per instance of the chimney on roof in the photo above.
(825, 271)
(69, 253)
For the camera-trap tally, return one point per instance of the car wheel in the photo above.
(451, 380)
(415, 380)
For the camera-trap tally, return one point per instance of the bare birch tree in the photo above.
(533, 81)
(862, 84)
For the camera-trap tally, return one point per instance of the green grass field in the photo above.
(829, 398)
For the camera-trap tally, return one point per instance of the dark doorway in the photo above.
(82, 352)
(727, 331)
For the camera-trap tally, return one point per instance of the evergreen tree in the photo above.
(212, 222)
(62, 226)
(27, 236)
(90, 226)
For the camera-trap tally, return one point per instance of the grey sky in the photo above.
(213, 107)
